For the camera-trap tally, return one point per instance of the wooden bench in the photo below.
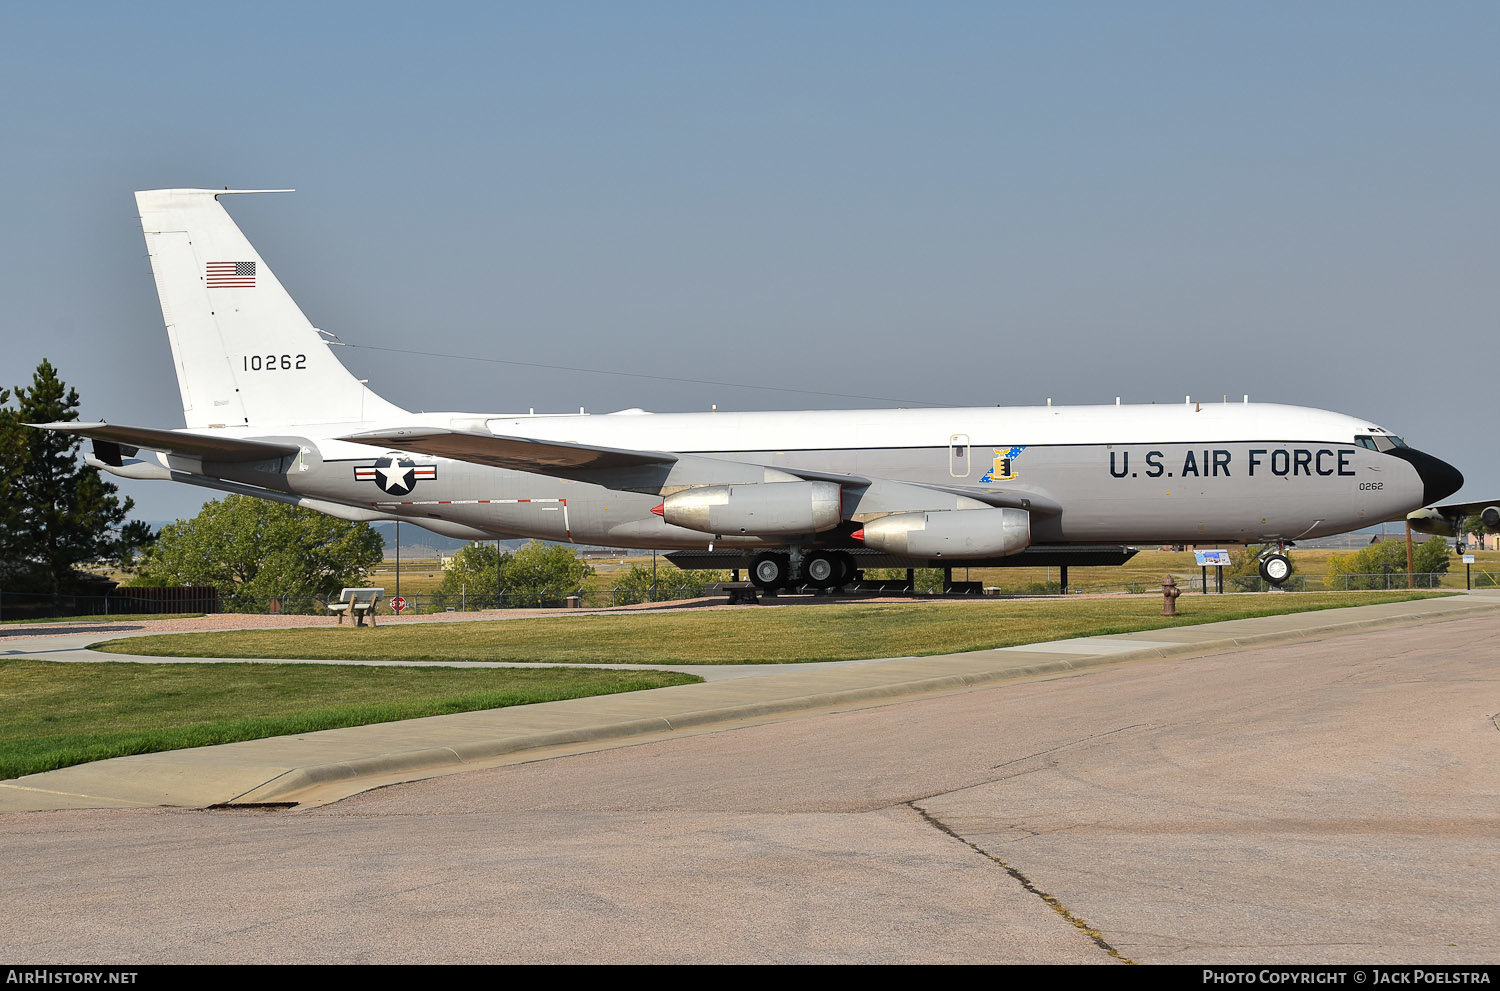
(357, 602)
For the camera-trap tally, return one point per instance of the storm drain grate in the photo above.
(252, 806)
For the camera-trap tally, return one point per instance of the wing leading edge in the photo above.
(619, 468)
(542, 457)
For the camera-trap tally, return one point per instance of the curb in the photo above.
(285, 787)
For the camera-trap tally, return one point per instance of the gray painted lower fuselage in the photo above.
(1134, 493)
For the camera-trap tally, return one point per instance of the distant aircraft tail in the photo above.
(245, 354)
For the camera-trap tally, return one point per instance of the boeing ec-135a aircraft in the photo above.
(805, 497)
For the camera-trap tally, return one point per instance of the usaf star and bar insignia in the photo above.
(395, 476)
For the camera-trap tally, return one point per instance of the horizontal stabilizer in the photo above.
(208, 447)
(541, 457)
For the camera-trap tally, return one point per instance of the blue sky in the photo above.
(957, 203)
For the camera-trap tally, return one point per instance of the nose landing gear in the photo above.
(1275, 567)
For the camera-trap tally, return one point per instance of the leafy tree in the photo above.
(261, 548)
(1432, 556)
(635, 585)
(58, 514)
(544, 569)
(1475, 524)
(924, 580)
(1374, 566)
(471, 572)
(671, 582)
(538, 570)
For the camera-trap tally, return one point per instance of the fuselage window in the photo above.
(1365, 441)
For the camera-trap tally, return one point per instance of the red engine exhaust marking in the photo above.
(858, 535)
(660, 510)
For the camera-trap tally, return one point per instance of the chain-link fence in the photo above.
(121, 601)
(582, 598)
(19, 606)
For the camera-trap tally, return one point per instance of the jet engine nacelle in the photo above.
(1490, 516)
(759, 508)
(957, 533)
(1431, 521)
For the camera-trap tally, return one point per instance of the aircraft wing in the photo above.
(1010, 498)
(610, 466)
(1027, 499)
(209, 447)
(1444, 521)
(541, 457)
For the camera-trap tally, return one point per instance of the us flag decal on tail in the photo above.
(230, 275)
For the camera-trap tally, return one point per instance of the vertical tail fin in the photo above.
(245, 354)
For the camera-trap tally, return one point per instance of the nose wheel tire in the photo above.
(769, 572)
(1275, 568)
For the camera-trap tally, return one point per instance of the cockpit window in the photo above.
(1379, 443)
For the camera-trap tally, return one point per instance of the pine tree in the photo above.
(59, 514)
(12, 460)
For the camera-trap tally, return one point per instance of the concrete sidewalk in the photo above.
(317, 768)
(73, 648)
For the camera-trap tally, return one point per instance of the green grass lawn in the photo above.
(53, 715)
(777, 635)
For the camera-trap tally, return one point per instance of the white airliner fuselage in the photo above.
(812, 495)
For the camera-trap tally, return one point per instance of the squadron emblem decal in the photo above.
(1004, 467)
(395, 475)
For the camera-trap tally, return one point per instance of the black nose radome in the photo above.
(1439, 479)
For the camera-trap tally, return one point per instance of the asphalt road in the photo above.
(1332, 801)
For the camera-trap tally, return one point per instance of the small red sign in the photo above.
(398, 603)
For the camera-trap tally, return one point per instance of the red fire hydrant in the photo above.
(1169, 594)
